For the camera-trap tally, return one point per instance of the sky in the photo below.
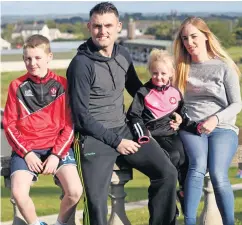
(75, 7)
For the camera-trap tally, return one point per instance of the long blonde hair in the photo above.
(183, 58)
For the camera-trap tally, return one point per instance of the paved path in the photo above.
(54, 64)
(19, 66)
(51, 219)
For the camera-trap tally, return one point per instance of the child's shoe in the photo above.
(43, 223)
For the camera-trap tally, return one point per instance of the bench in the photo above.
(121, 175)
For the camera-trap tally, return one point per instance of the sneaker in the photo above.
(180, 198)
(177, 212)
(43, 223)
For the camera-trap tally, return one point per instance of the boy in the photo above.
(38, 126)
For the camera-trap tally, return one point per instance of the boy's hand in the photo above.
(50, 165)
(127, 147)
(33, 162)
(175, 123)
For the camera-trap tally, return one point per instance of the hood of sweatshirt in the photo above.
(90, 50)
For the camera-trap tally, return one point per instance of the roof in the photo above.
(148, 42)
(22, 27)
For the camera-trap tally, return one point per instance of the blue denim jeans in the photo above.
(215, 152)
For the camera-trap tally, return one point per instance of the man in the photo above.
(96, 78)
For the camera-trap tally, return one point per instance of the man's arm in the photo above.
(132, 81)
(79, 77)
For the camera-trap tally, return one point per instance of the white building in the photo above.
(54, 33)
(26, 30)
(4, 44)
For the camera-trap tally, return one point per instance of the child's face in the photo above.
(160, 73)
(36, 61)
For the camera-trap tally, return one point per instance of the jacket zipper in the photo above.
(41, 88)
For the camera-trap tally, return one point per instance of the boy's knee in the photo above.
(18, 196)
(74, 195)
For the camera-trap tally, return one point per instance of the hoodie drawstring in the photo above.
(110, 71)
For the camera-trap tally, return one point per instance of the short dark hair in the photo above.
(104, 7)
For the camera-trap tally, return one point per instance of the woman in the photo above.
(209, 80)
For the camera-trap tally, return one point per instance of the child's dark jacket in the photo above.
(153, 107)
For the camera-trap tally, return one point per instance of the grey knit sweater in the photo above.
(213, 89)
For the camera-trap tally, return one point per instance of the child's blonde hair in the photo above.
(39, 41)
(162, 56)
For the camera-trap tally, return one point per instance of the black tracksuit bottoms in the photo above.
(97, 161)
(174, 147)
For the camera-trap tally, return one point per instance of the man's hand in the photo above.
(209, 125)
(33, 162)
(127, 147)
(50, 165)
(175, 123)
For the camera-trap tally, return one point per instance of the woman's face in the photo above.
(194, 40)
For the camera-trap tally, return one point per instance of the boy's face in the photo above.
(36, 61)
(160, 73)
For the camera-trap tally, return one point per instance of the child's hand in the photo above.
(50, 165)
(178, 118)
(175, 123)
(33, 162)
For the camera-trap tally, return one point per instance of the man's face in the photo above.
(104, 29)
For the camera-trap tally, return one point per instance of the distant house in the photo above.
(54, 33)
(124, 33)
(26, 30)
(4, 44)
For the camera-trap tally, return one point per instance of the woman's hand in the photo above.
(209, 125)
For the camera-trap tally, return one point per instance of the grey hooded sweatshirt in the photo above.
(96, 85)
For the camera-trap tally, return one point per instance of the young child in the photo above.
(38, 126)
(154, 107)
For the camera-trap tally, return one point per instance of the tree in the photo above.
(238, 33)
(221, 30)
(161, 31)
(7, 32)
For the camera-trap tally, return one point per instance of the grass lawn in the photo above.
(44, 190)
